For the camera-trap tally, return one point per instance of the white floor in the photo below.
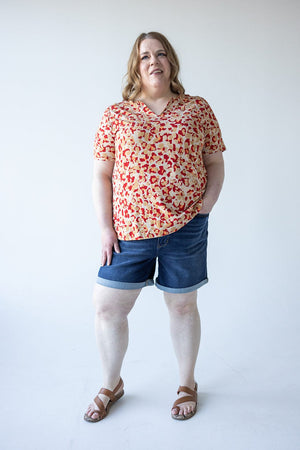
(248, 396)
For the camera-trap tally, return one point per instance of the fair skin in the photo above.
(112, 306)
(155, 71)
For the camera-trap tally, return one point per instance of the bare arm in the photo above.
(102, 199)
(215, 176)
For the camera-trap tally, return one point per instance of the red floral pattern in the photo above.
(159, 176)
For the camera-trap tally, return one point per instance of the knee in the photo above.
(107, 309)
(113, 304)
(182, 306)
(183, 309)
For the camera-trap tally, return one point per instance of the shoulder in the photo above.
(124, 105)
(196, 106)
(202, 108)
(121, 110)
(194, 101)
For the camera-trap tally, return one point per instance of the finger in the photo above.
(103, 258)
(117, 247)
(108, 257)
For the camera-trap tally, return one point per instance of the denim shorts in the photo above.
(181, 258)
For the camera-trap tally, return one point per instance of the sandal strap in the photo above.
(100, 405)
(111, 394)
(187, 398)
(108, 393)
(187, 390)
(118, 386)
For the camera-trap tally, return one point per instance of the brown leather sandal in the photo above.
(102, 412)
(191, 397)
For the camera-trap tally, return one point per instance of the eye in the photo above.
(144, 57)
(162, 54)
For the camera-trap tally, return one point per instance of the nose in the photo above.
(153, 60)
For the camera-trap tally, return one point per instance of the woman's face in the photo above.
(155, 69)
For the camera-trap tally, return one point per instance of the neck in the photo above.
(156, 95)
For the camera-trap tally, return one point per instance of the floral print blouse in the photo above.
(159, 177)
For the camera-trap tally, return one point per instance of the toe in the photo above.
(92, 411)
(187, 410)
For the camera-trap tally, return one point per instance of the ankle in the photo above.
(111, 382)
(188, 382)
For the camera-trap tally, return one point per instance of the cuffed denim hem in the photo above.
(181, 290)
(123, 285)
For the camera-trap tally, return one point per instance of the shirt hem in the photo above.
(166, 232)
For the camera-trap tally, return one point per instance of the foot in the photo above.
(93, 411)
(187, 407)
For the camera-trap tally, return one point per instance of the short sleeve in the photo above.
(213, 141)
(104, 143)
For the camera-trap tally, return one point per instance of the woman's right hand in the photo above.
(109, 243)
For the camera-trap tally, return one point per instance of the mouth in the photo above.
(156, 71)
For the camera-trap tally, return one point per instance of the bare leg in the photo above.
(111, 325)
(185, 332)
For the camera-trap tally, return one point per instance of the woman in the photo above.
(158, 171)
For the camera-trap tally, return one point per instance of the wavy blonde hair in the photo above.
(133, 84)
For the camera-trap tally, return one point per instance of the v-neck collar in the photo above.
(149, 110)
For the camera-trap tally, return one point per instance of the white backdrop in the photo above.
(62, 64)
